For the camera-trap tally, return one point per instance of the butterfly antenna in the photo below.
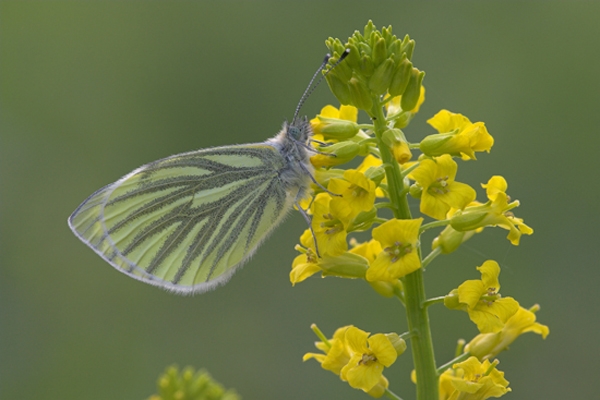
(310, 88)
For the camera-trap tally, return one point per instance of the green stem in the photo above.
(391, 395)
(449, 364)
(433, 301)
(434, 224)
(430, 257)
(414, 288)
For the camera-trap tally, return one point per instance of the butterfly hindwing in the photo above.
(188, 221)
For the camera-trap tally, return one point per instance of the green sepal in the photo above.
(366, 66)
(339, 129)
(360, 95)
(369, 28)
(340, 89)
(343, 70)
(347, 265)
(410, 97)
(363, 221)
(379, 54)
(433, 145)
(408, 46)
(324, 175)
(398, 343)
(401, 77)
(382, 77)
(450, 239)
(344, 152)
(386, 289)
(376, 174)
(451, 301)
(415, 190)
(468, 221)
(392, 136)
(353, 59)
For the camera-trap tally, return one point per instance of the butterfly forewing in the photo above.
(187, 221)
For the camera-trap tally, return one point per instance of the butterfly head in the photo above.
(299, 130)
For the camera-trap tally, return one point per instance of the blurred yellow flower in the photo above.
(488, 345)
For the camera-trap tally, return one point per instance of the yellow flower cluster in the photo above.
(378, 77)
(359, 357)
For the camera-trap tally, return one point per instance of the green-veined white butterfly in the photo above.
(187, 222)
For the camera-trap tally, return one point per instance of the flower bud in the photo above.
(396, 140)
(343, 70)
(396, 341)
(468, 221)
(438, 144)
(376, 174)
(379, 53)
(483, 345)
(401, 78)
(415, 190)
(386, 289)
(381, 78)
(360, 95)
(334, 128)
(410, 97)
(339, 89)
(408, 46)
(341, 153)
(401, 152)
(364, 220)
(392, 136)
(451, 301)
(366, 66)
(450, 239)
(347, 265)
(353, 58)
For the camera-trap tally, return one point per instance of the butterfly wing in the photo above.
(186, 222)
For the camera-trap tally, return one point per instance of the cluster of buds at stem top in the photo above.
(378, 63)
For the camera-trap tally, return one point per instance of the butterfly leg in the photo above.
(308, 220)
(312, 178)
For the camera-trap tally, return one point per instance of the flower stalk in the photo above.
(414, 288)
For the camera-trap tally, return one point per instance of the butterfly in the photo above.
(187, 222)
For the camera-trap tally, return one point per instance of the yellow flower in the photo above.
(496, 212)
(357, 191)
(330, 221)
(401, 152)
(337, 355)
(488, 345)
(345, 265)
(305, 264)
(368, 357)
(440, 191)
(368, 162)
(475, 380)
(457, 136)
(399, 256)
(486, 308)
(368, 250)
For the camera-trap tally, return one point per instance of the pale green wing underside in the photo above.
(186, 222)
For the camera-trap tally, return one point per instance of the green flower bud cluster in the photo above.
(191, 385)
(377, 63)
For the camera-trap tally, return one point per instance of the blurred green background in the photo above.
(91, 90)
